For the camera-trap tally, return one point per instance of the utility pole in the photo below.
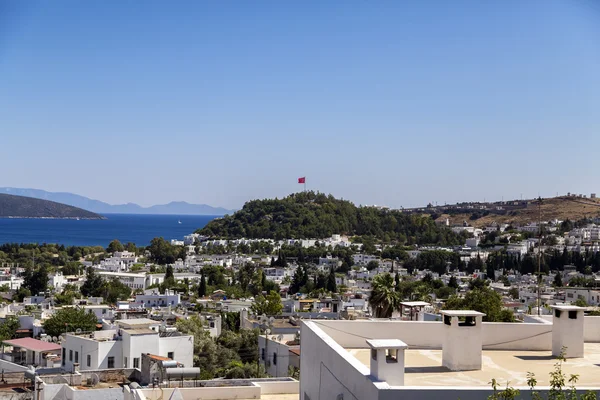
(539, 276)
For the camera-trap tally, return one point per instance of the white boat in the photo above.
(179, 221)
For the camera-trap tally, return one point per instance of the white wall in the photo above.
(135, 345)
(328, 370)
(426, 334)
(181, 346)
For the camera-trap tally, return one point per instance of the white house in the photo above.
(278, 353)
(123, 347)
(134, 281)
(152, 298)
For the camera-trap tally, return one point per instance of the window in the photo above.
(125, 363)
(70, 355)
(111, 362)
(374, 354)
(171, 355)
(274, 358)
(262, 354)
(103, 311)
(136, 362)
(557, 313)
(76, 356)
(89, 360)
(573, 314)
(64, 356)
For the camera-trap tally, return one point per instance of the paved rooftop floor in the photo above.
(424, 367)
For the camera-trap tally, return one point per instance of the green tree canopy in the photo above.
(69, 320)
(269, 305)
(482, 299)
(114, 246)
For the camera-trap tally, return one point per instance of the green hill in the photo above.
(316, 215)
(27, 207)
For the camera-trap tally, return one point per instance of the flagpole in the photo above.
(304, 184)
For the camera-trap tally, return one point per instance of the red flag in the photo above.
(302, 180)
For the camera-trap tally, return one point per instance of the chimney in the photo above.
(567, 331)
(387, 360)
(463, 340)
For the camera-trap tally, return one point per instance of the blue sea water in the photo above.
(139, 229)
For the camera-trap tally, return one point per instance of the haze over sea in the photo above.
(139, 229)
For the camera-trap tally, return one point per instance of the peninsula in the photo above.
(12, 206)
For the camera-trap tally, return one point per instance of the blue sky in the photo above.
(390, 102)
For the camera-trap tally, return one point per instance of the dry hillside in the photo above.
(561, 208)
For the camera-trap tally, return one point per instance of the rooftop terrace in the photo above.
(424, 367)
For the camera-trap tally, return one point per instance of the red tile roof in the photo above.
(33, 344)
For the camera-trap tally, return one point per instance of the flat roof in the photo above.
(462, 313)
(386, 344)
(33, 344)
(415, 303)
(143, 331)
(424, 367)
(137, 321)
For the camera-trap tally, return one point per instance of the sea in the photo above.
(138, 229)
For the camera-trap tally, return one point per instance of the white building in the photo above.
(152, 298)
(123, 347)
(278, 353)
(134, 281)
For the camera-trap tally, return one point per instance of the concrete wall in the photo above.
(181, 346)
(279, 387)
(8, 366)
(204, 393)
(328, 370)
(513, 336)
(591, 329)
(453, 392)
(425, 334)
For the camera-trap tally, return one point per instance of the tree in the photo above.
(115, 290)
(169, 273)
(269, 305)
(558, 280)
(9, 327)
(69, 320)
(372, 265)
(513, 292)
(163, 252)
(114, 246)
(36, 281)
(331, 285)
(384, 299)
(93, 284)
(71, 268)
(202, 287)
(482, 299)
(453, 282)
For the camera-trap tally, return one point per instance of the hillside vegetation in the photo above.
(316, 215)
(561, 208)
(28, 207)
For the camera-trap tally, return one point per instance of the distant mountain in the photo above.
(100, 207)
(12, 206)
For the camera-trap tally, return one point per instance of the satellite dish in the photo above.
(54, 339)
(78, 330)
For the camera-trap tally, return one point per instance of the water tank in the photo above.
(169, 364)
(182, 373)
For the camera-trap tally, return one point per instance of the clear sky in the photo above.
(381, 102)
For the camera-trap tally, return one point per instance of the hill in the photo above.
(75, 200)
(12, 206)
(316, 215)
(561, 208)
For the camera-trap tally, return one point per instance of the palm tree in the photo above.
(384, 298)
